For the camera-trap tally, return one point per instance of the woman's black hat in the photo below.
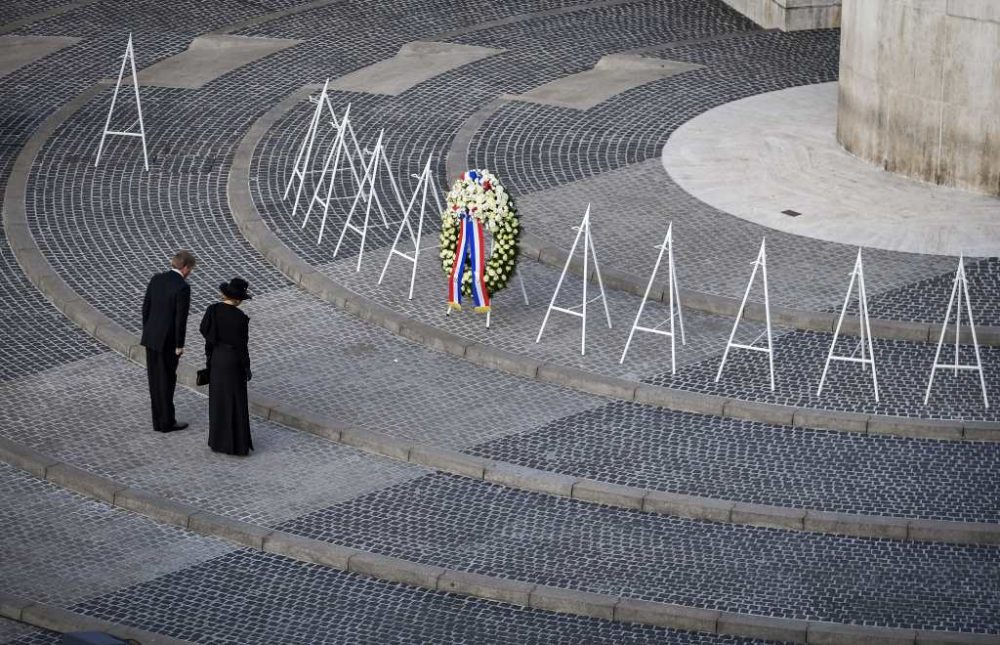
(236, 289)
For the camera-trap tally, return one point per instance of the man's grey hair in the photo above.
(183, 259)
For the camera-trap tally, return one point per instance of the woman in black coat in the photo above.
(227, 330)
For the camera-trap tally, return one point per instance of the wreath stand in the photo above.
(331, 166)
(129, 56)
(978, 367)
(759, 263)
(424, 185)
(304, 158)
(858, 275)
(379, 160)
(588, 252)
(674, 295)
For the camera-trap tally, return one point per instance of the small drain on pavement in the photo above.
(791, 213)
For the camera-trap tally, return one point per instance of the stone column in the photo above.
(920, 89)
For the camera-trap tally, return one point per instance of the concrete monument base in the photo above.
(774, 159)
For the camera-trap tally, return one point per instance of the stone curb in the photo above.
(693, 507)
(249, 222)
(434, 578)
(61, 620)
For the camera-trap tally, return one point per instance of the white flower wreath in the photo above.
(480, 194)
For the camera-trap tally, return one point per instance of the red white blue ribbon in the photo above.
(470, 246)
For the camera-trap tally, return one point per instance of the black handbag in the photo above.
(202, 377)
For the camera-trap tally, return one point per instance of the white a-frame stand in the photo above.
(127, 132)
(425, 184)
(857, 275)
(958, 292)
(340, 150)
(304, 158)
(674, 296)
(759, 263)
(378, 160)
(588, 252)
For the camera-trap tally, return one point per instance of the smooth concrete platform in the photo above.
(759, 156)
(415, 63)
(18, 51)
(209, 57)
(612, 75)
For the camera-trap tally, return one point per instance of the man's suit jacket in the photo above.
(165, 312)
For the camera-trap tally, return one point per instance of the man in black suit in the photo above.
(164, 323)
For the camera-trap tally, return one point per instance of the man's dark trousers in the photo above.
(161, 368)
(164, 321)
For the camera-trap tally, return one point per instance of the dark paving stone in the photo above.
(911, 302)
(903, 369)
(456, 522)
(636, 445)
(12, 10)
(252, 597)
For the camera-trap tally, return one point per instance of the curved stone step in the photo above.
(96, 562)
(631, 606)
(116, 337)
(57, 619)
(258, 233)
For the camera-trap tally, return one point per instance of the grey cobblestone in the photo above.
(13, 632)
(311, 356)
(514, 325)
(635, 445)
(107, 563)
(295, 603)
(95, 414)
(713, 250)
(19, 9)
(903, 369)
(62, 548)
(766, 572)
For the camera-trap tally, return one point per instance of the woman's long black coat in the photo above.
(227, 330)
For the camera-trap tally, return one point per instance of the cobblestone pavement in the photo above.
(95, 415)
(14, 632)
(493, 530)
(636, 445)
(63, 549)
(514, 326)
(11, 11)
(903, 369)
(296, 603)
(106, 229)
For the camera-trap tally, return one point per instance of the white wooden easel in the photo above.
(304, 158)
(674, 296)
(425, 184)
(130, 57)
(345, 147)
(959, 288)
(759, 263)
(857, 275)
(378, 160)
(583, 230)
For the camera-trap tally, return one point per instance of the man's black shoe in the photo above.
(176, 426)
